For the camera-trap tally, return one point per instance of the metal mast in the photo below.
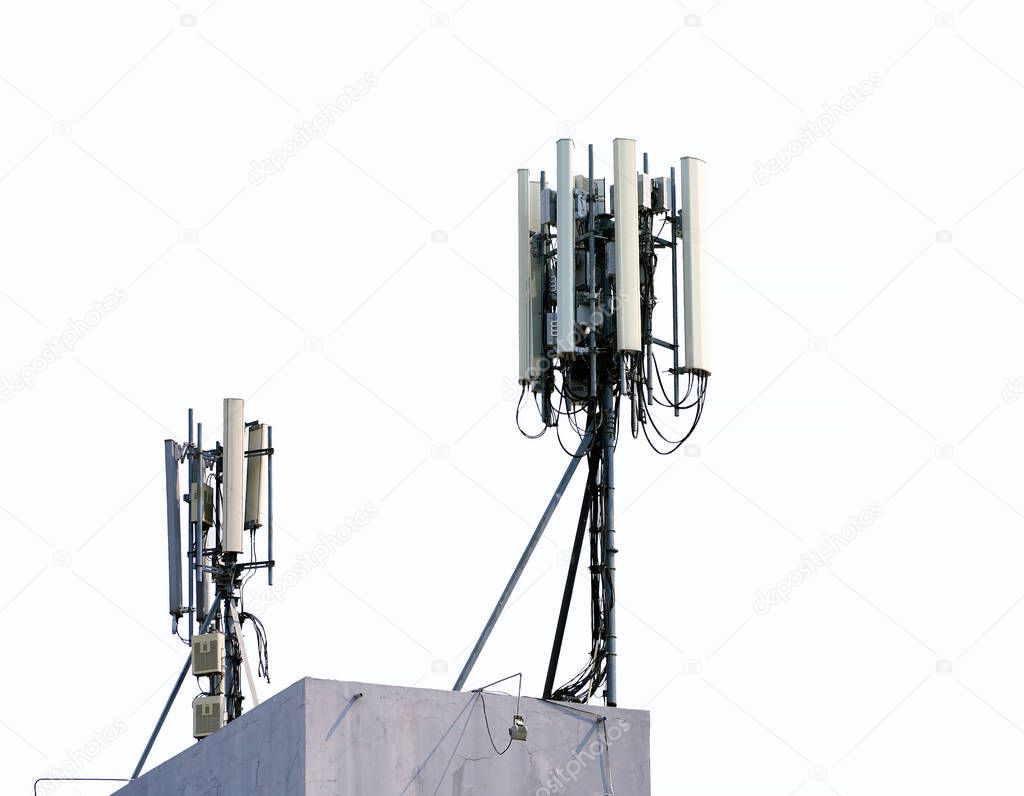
(230, 492)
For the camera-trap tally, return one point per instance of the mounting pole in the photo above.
(270, 505)
(202, 594)
(675, 290)
(524, 560)
(592, 272)
(608, 495)
(191, 536)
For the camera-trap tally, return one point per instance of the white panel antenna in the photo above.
(173, 494)
(234, 459)
(627, 245)
(536, 279)
(691, 179)
(565, 220)
(531, 272)
(526, 352)
(255, 477)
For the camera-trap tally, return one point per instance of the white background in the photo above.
(866, 327)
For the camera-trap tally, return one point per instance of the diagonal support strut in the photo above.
(525, 558)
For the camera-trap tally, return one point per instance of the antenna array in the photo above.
(229, 497)
(588, 256)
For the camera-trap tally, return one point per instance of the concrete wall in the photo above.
(359, 739)
(406, 741)
(260, 753)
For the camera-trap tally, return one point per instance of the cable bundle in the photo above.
(262, 654)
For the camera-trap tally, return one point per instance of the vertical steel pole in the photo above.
(648, 321)
(270, 505)
(546, 376)
(592, 272)
(606, 486)
(230, 663)
(675, 292)
(201, 594)
(191, 534)
(608, 477)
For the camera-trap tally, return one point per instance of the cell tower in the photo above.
(588, 265)
(230, 493)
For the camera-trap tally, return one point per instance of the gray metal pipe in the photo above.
(675, 293)
(202, 595)
(608, 478)
(191, 535)
(270, 505)
(592, 272)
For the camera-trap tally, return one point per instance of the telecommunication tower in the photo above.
(229, 497)
(588, 256)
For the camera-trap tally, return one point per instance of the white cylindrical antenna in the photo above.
(234, 460)
(255, 478)
(525, 279)
(627, 245)
(691, 181)
(565, 219)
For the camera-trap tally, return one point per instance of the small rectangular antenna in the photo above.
(173, 530)
(234, 458)
(691, 181)
(256, 478)
(627, 245)
(565, 220)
